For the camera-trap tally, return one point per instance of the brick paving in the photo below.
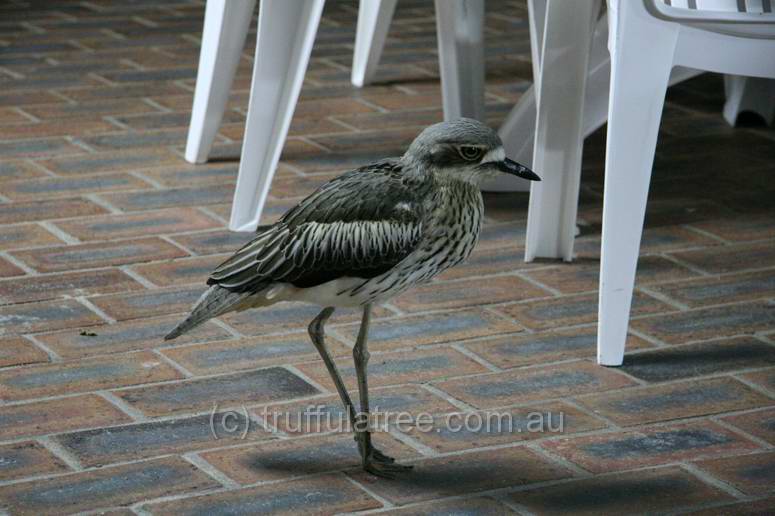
(106, 236)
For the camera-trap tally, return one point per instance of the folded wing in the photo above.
(360, 224)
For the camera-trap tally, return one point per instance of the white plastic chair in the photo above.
(460, 30)
(286, 31)
(647, 39)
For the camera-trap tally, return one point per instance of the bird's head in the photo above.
(465, 150)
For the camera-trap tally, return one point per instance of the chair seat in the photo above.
(744, 30)
(714, 7)
(734, 17)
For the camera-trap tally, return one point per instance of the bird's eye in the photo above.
(470, 153)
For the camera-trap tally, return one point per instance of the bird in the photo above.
(363, 238)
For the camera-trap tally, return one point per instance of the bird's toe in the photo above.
(386, 469)
(378, 456)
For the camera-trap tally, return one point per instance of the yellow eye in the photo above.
(470, 153)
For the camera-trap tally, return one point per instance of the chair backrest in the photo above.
(729, 11)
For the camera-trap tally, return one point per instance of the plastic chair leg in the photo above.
(225, 28)
(518, 129)
(641, 59)
(286, 31)
(749, 94)
(374, 17)
(459, 28)
(558, 142)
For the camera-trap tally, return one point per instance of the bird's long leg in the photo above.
(374, 461)
(317, 334)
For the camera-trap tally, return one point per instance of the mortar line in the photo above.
(60, 452)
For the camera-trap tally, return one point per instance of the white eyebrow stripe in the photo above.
(494, 155)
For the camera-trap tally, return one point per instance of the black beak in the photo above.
(510, 166)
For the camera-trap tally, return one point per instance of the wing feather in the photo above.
(360, 224)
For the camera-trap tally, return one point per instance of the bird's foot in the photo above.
(376, 462)
(378, 456)
(384, 466)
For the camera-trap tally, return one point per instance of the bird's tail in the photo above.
(215, 301)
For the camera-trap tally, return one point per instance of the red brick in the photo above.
(486, 261)
(27, 459)
(399, 101)
(581, 276)
(53, 286)
(110, 161)
(19, 170)
(548, 346)
(740, 229)
(457, 294)
(35, 148)
(765, 378)
(652, 491)
(749, 508)
(19, 351)
(49, 315)
(731, 258)
(25, 235)
(326, 495)
(10, 116)
(411, 331)
(291, 316)
(674, 401)
(252, 352)
(172, 197)
(101, 254)
(105, 487)
(202, 174)
(726, 321)
(132, 335)
(149, 302)
(214, 242)
(85, 375)
(458, 431)
(52, 209)
(721, 289)
(467, 473)
(54, 128)
(760, 424)
(278, 460)
(8, 269)
(124, 91)
(525, 385)
(400, 367)
(52, 187)
(61, 415)
(502, 236)
(650, 446)
(699, 359)
(110, 227)
(479, 506)
(752, 474)
(181, 272)
(239, 389)
(573, 310)
(420, 118)
(291, 418)
(102, 446)
(670, 238)
(146, 121)
(292, 187)
(84, 109)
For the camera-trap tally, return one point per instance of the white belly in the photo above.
(332, 293)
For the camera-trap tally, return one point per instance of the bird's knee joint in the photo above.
(315, 328)
(361, 355)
